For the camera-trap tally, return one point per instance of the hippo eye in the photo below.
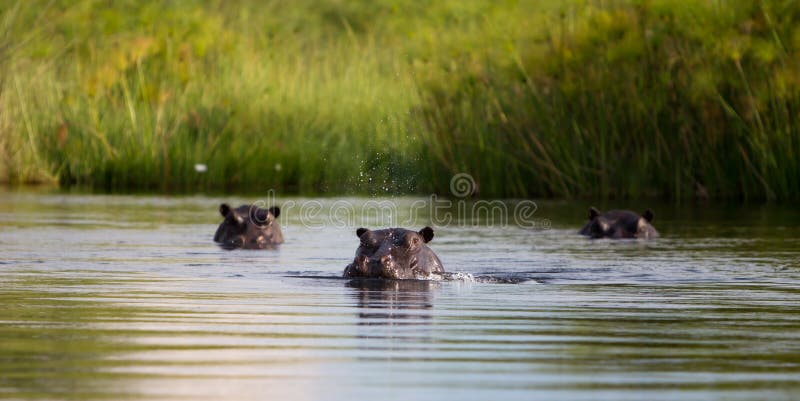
(411, 241)
(235, 224)
(368, 242)
(235, 220)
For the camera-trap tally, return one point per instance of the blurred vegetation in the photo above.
(601, 99)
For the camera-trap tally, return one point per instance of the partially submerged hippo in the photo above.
(394, 253)
(619, 224)
(248, 227)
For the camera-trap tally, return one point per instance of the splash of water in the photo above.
(459, 276)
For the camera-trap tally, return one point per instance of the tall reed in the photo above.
(585, 98)
(630, 99)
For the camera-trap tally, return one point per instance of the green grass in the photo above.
(600, 99)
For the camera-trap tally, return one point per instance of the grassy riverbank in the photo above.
(601, 99)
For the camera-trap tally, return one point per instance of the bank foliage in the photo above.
(599, 99)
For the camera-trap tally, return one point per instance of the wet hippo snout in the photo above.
(381, 265)
(385, 260)
(360, 266)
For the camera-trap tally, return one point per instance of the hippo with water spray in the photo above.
(395, 253)
(248, 227)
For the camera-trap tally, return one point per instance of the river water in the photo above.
(127, 297)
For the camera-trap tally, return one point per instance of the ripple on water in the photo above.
(132, 300)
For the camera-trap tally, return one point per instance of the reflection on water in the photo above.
(127, 297)
(391, 302)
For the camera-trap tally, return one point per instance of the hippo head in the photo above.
(394, 253)
(619, 224)
(248, 227)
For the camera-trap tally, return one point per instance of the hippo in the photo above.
(619, 224)
(394, 253)
(248, 227)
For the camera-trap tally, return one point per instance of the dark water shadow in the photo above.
(393, 302)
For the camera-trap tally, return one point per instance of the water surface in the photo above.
(126, 297)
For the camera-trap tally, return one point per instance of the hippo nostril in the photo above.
(385, 259)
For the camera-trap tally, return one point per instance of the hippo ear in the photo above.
(593, 212)
(361, 232)
(276, 211)
(224, 209)
(427, 234)
(648, 215)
